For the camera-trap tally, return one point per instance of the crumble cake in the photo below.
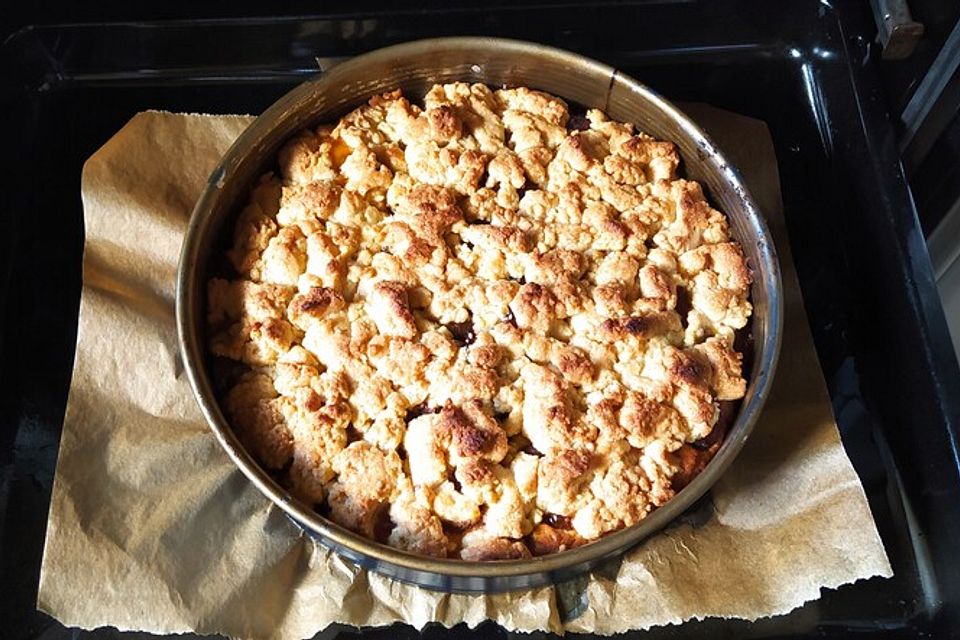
(480, 327)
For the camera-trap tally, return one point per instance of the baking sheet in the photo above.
(152, 528)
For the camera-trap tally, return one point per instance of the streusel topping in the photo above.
(480, 327)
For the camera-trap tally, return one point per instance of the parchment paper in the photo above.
(151, 526)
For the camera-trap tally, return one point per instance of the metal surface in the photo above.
(415, 67)
(897, 32)
(934, 103)
(944, 245)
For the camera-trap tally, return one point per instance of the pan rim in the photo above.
(487, 575)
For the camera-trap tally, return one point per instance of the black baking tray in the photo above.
(806, 68)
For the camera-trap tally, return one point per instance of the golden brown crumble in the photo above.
(478, 329)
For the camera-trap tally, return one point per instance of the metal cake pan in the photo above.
(415, 67)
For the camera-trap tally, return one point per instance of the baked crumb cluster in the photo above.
(480, 328)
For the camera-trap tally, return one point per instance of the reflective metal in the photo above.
(897, 32)
(932, 106)
(415, 67)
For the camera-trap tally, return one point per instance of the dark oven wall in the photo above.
(923, 96)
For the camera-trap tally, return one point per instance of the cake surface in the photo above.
(480, 327)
